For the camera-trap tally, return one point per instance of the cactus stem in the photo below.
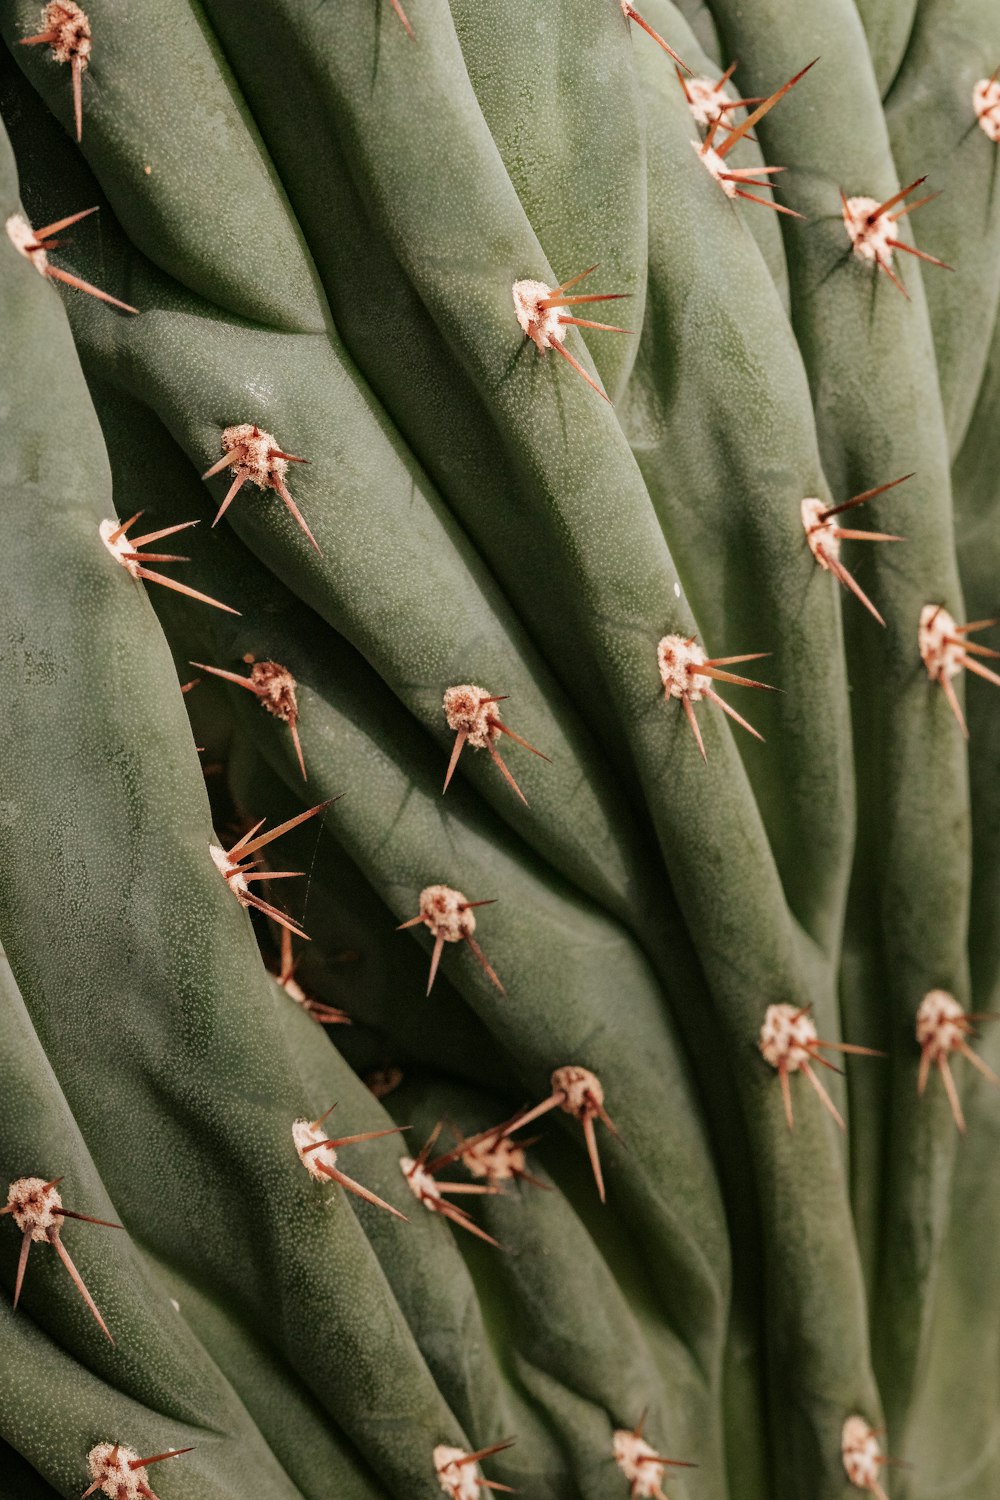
(470, 711)
(274, 687)
(37, 1211)
(67, 32)
(686, 672)
(631, 14)
(253, 454)
(577, 1092)
(35, 245)
(125, 551)
(448, 915)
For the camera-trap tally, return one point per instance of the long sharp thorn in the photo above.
(121, 529)
(286, 827)
(67, 1213)
(77, 70)
(413, 922)
(468, 905)
(359, 1191)
(824, 1097)
(428, 1145)
(296, 513)
(853, 1049)
(397, 7)
(824, 1063)
(847, 535)
(454, 1213)
(77, 1280)
(294, 731)
(731, 661)
(721, 676)
(762, 109)
(692, 719)
(574, 280)
(246, 837)
(975, 625)
(485, 964)
(925, 1065)
(519, 741)
(909, 208)
(920, 254)
(972, 665)
(744, 174)
(156, 536)
(551, 302)
(157, 557)
(978, 1063)
(476, 1188)
(182, 588)
(501, 766)
(864, 497)
(481, 1453)
(460, 740)
(22, 1263)
(779, 208)
(896, 198)
(247, 898)
(92, 1490)
(590, 1136)
(324, 1116)
(435, 960)
(657, 38)
(526, 1116)
(953, 704)
(84, 286)
(235, 677)
(231, 494)
(227, 460)
(884, 266)
(738, 718)
(581, 371)
(51, 229)
(274, 875)
(786, 1094)
(951, 1091)
(494, 1484)
(157, 1458)
(589, 323)
(848, 580)
(683, 83)
(354, 1140)
(43, 36)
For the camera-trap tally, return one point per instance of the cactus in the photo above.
(613, 1113)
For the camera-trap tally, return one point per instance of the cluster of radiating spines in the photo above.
(577, 1092)
(945, 649)
(238, 867)
(119, 1472)
(825, 534)
(36, 244)
(274, 688)
(318, 1154)
(252, 454)
(492, 1154)
(458, 1472)
(434, 1193)
(688, 674)
(643, 1467)
(986, 104)
(324, 1015)
(863, 1458)
(37, 1209)
(789, 1042)
(66, 31)
(539, 310)
(942, 1028)
(709, 98)
(473, 714)
(721, 137)
(126, 550)
(871, 228)
(448, 916)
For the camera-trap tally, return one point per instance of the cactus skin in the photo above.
(481, 516)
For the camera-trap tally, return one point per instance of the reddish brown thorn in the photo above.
(949, 1083)
(560, 301)
(78, 1282)
(22, 1263)
(953, 704)
(881, 208)
(633, 15)
(84, 286)
(182, 588)
(560, 349)
(487, 968)
(779, 208)
(501, 766)
(824, 1097)
(850, 582)
(920, 254)
(335, 1174)
(231, 494)
(692, 719)
(589, 323)
(286, 827)
(864, 497)
(762, 109)
(296, 513)
(502, 728)
(460, 740)
(727, 709)
(910, 207)
(397, 7)
(158, 1458)
(54, 228)
(67, 1213)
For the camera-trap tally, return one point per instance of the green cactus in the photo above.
(448, 694)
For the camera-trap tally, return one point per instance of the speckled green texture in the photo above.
(321, 219)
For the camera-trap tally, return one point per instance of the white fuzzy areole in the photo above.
(679, 659)
(581, 1091)
(228, 869)
(870, 238)
(275, 689)
(306, 1133)
(940, 649)
(638, 1462)
(705, 99)
(786, 1036)
(22, 237)
(442, 909)
(33, 1206)
(986, 103)
(252, 454)
(499, 1160)
(715, 165)
(72, 31)
(459, 1481)
(541, 324)
(119, 547)
(109, 1468)
(860, 1451)
(821, 535)
(468, 713)
(939, 1023)
(420, 1182)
